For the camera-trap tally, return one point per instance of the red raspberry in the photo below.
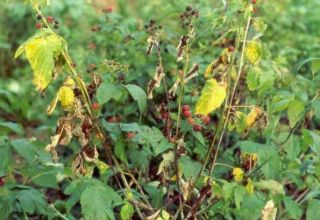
(187, 114)
(197, 127)
(164, 115)
(95, 106)
(2, 181)
(130, 135)
(38, 25)
(231, 48)
(50, 19)
(185, 108)
(253, 1)
(206, 119)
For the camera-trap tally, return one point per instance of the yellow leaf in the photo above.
(209, 68)
(52, 105)
(66, 97)
(253, 116)
(249, 186)
(237, 174)
(253, 52)
(42, 50)
(212, 96)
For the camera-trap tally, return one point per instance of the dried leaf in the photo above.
(181, 47)
(269, 212)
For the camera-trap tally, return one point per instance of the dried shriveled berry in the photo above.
(39, 17)
(197, 127)
(130, 135)
(206, 119)
(185, 108)
(231, 48)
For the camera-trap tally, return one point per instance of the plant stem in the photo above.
(87, 103)
(232, 95)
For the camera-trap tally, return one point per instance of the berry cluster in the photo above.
(152, 27)
(107, 10)
(50, 20)
(188, 115)
(187, 16)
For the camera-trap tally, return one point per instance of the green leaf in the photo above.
(212, 96)
(313, 210)
(120, 151)
(139, 95)
(253, 78)
(77, 187)
(189, 167)
(315, 66)
(5, 155)
(253, 52)
(126, 211)
(25, 149)
(17, 128)
(239, 194)
(42, 51)
(105, 92)
(316, 108)
(32, 201)
(295, 111)
(271, 185)
(293, 208)
(95, 204)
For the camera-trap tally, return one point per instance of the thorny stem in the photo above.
(87, 104)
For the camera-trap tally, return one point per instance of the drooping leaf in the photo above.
(139, 95)
(25, 149)
(253, 52)
(295, 111)
(271, 185)
(253, 78)
(42, 51)
(105, 92)
(17, 128)
(212, 96)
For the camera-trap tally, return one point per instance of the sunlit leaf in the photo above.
(253, 52)
(42, 51)
(212, 96)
